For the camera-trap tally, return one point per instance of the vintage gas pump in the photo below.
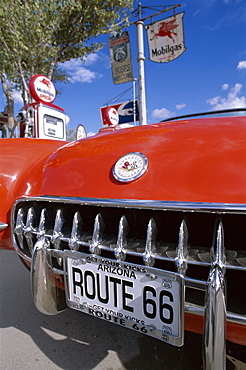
(42, 119)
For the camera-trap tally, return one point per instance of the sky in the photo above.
(209, 75)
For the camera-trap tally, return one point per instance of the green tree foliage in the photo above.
(36, 35)
(71, 134)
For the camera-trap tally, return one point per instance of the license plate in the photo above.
(144, 299)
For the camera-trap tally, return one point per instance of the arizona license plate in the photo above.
(145, 299)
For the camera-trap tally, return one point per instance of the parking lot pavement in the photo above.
(72, 340)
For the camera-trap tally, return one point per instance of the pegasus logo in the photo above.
(46, 82)
(166, 29)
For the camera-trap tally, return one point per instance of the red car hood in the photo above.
(199, 160)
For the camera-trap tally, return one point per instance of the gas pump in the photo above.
(42, 119)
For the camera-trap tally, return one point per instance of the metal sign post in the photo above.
(141, 78)
(141, 59)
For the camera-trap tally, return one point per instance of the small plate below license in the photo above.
(145, 299)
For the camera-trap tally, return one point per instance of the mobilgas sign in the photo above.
(120, 56)
(166, 39)
(125, 111)
(42, 89)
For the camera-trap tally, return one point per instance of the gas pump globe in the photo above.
(42, 119)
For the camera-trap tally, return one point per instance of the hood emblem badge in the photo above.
(130, 167)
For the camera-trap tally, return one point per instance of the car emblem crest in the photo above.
(130, 167)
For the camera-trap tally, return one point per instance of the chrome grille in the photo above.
(172, 236)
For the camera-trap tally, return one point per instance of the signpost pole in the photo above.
(134, 100)
(140, 60)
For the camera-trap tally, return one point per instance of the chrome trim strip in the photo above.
(3, 226)
(235, 318)
(230, 316)
(219, 208)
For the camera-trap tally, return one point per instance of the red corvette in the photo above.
(144, 227)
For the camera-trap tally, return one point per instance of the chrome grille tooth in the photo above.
(19, 226)
(75, 234)
(29, 229)
(182, 251)
(150, 245)
(218, 255)
(57, 232)
(97, 235)
(41, 226)
(119, 251)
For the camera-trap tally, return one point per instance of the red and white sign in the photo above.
(110, 117)
(80, 132)
(125, 111)
(166, 39)
(42, 89)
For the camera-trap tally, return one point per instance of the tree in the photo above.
(8, 91)
(36, 35)
(71, 134)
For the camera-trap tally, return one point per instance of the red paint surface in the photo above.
(21, 167)
(201, 160)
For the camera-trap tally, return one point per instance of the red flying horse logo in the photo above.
(46, 82)
(166, 29)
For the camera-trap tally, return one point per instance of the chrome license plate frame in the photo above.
(142, 298)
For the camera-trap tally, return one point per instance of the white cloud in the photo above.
(78, 72)
(225, 87)
(162, 113)
(17, 97)
(215, 100)
(72, 64)
(82, 74)
(91, 59)
(242, 65)
(91, 133)
(233, 100)
(180, 106)
(126, 125)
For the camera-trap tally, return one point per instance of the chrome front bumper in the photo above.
(48, 301)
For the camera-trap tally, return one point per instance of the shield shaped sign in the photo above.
(166, 39)
(120, 56)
